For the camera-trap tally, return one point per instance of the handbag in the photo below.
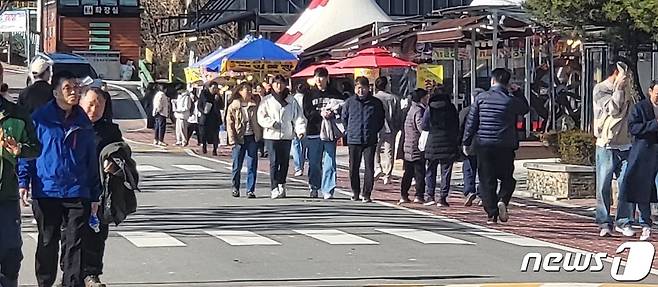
(422, 140)
(329, 131)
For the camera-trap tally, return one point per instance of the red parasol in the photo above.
(374, 58)
(328, 64)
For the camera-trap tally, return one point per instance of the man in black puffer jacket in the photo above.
(492, 123)
(363, 116)
(442, 122)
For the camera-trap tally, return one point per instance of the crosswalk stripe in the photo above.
(242, 238)
(145, 167)
(424, 236)
(34, 236)
(335, 237)
(151, 239)
(513, 239)
(192, 167)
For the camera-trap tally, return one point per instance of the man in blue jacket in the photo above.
(492, 123)
(63, 180)
(363, 116)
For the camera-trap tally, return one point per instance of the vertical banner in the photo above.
(429, 75)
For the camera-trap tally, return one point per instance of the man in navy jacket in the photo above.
(363, 116)
(492, 122)
(63, 180)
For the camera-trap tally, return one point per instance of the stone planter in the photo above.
(556, 181)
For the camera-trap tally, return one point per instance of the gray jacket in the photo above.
(393, 121)
(412, 130)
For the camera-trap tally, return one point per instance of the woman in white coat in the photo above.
(282, 119)
(182, 110)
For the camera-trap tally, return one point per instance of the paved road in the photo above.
(189, 231)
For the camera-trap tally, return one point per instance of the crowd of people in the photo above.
(52, 144)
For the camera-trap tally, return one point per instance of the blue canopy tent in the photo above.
(207, 59)
(256, 55)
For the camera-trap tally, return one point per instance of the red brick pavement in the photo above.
(550, 223)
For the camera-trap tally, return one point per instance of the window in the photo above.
(69, 3)
(108, 2)
(129, 3)
(88, 2)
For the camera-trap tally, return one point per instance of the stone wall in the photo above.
(556, 181)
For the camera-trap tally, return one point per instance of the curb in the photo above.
(537, 285)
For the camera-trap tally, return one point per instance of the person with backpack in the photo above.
(18, 139)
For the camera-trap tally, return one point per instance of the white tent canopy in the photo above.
(325, 18)
(497, 2)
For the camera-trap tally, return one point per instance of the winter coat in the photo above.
(281, 122)
(161, 105)
(492, 119)
(15, 123)
(611, 109)
(412, 129)
(314, 104)
(183, 107)
(393, 112)
(442, 122)
(212, 118)
(642, 159)
(363, 119)
(236, 120)
(119, 185)
(463, 114)
(68, 160)
(36, 96)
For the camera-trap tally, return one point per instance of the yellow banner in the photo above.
(284, 68)
(429, 75)
(371, 74)
(192, 75)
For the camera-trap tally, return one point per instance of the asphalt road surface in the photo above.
(189, 231)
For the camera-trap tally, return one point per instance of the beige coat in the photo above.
(235, 122)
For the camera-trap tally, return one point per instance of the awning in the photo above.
(440, 36)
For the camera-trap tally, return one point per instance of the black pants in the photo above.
(160, 127)
(413, 169)
(495, 164)
(10, 242)
(193, 129)
(93, 249)
(50, 215)
(279, 151)
(367, 152)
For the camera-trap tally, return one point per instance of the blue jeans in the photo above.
(611, 162)
(430, 178)
(249, 149)
(321, 165)
(470, 171)
(298, 154)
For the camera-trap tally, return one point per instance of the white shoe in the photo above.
(328, 196)
(605, 232)
(646, 234)
(156, 143)
(387, 180)
(299, 173)
(282, 190)
(275, 193)
(502, 212)
(626, 231)
(429, 203)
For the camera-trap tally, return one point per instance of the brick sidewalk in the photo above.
(530, 218)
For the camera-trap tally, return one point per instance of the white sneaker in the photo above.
(430, 203)
(282, 190)
(646, 234)
(275, 193)
(328, 196)
(626, 231)
(299, 173)
(605, 232)
(387, 180)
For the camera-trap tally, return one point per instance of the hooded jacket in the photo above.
(281, 122)
(442, 122)
(66, 167)
(16, 123)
